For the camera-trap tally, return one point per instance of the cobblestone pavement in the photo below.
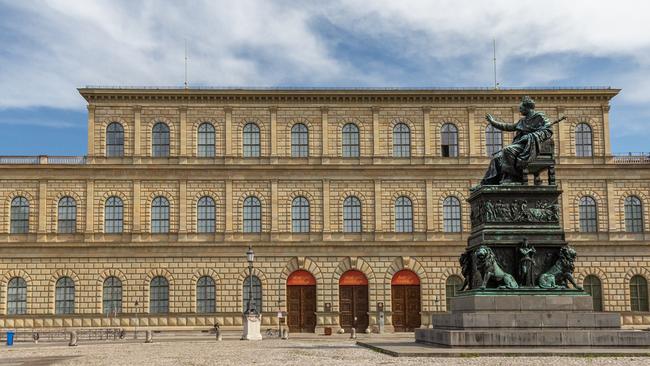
(307, 352)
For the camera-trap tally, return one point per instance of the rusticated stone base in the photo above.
(529, 319)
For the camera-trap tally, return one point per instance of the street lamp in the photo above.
(250, 257)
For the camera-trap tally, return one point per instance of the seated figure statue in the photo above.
(508, 165)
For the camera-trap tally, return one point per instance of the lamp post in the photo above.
(251, 318)
(250, 257)
(135, 335)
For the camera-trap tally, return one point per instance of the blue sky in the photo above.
(49, 48)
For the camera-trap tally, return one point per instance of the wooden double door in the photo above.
(406, 307)
(353, 302)
(301, 308)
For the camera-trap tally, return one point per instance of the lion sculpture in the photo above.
(561, 273)
(486, 264)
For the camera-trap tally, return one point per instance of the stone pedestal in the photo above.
(530, 318)
(252, 323)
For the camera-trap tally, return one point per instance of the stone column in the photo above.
(229, 211)
(473, 137)
(274, 131)
(91, 130)
(42, 206)
(228, 131)
(378, 207)
(136, 207)
(426, 120)
(137, 131)
(90, 206)
(183, 131)
(325, 134)
(376, 145)
(182, 206)
(274, 206)
(606, 136)
(326, 206)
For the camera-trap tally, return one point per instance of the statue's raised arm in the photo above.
(508, 165)
(503, 126)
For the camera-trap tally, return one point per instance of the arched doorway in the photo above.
(301, 302)
(405, 296)
(353, 301)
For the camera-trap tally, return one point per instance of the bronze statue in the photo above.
(507, 165)
(489, 268)
(527, 264)
(561, 273)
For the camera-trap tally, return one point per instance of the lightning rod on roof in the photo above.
(494, 59)
(185, 64)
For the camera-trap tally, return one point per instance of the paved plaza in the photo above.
(296, 351)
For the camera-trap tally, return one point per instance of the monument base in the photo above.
(252, 324)
(528, 318)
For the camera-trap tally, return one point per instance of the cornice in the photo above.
(320, 97)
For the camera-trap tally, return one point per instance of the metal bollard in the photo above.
(353, 334)
(217, 332)
(35, 337)
(73, 338)
(149, 337)
(285, 333)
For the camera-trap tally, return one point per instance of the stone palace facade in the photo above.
(353, 201)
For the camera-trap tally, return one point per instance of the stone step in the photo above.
(527, 319)
(523, 300)
(533, 338)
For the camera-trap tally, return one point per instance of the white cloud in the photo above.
(53, 47)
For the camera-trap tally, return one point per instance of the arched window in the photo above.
(633, 215)
(160, 140)
(401, 141)
(403, 215)
(352, 215)
(19, 215)
(251, 140)
(593, 287)
(493, 140)
(64, 296)
(205, 295)
(300, 215)
(113, 215)
(256, 300)
(112, 296)
(584, 142)
(206, 138)
(350, 141)
(160, 215)
(588, 215)
(639, 293)
(452, 286)
(252, 215)
(205, 215)
(16, 296)
(451, 215)
(449, 140)
(114, 140)
(67, 215)
(159, 295)
(299, 141)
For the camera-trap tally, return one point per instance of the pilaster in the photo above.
(558, 138)
(612, 222)
(376, 147)
(183, 130)
(426, 120)
(91, 130)
(90, 206)
(325, 127)
(606, 135)
(42, 206)
(430, 207)
(182, 206)
(378, 206)
(229, 212)
(274, 133)
(136, 207)
(137, 130)
(326, 206)
(274, 206)
(228, 130)
(473, 138)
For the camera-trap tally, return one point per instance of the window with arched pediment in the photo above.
(633, 215)
(584, 140)
(205, 295)
(252, 289)
(449, 140)
(300, 215)
(401, 141)
(112, 296)
(403, 215)
(639, 293)
(160, 215)
(205, 215)
(113, 215)
(252, 215)
(67, 215)
(206, 145)
(159, 295)
(299, 141)
(352, 215)
(593, 286)
(493, 140)
(16, 296)
(451, 215)
(114, 140)
(452, 287)
(64, 296)
(588, 214)
(251, 140)
(19, 215)
(350, 141)
(160, 140)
